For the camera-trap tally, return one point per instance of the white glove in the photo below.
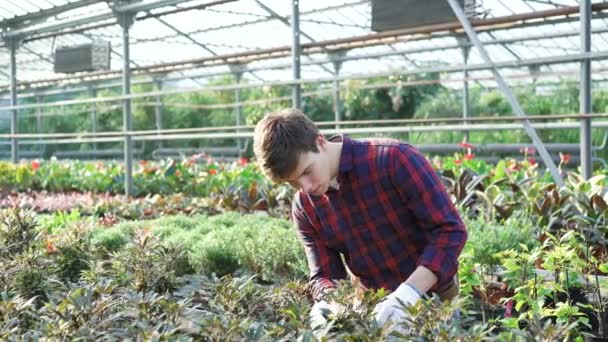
(320, 311)
(390, 308)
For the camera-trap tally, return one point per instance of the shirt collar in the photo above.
(346, 156)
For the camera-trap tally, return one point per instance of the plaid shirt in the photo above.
(390, 215)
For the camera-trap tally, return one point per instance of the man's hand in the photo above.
(390, 308)
(320, 312)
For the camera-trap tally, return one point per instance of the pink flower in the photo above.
(509, 308)
(527, 150)
(465, 145)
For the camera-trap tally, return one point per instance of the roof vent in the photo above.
(401, 14)
(84, 57)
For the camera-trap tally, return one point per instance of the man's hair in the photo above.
(279, 139)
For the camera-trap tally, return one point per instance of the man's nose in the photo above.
(306, 185)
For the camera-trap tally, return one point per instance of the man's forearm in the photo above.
(422, 279)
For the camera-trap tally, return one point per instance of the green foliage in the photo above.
(30, 283)
(222, 244)
(18, 231)
(488, 238)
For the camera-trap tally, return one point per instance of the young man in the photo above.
(379, 203)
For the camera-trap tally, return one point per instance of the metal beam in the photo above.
(341, 59)
(585, 89)
(296, 101)
(373, 40)
(13, 45)
(465, 90)
(187, 36)
(540, 147)
(402, 72)
(230, 134)
(93, 94)
(126, 20)
(288, 24)
(95, 18)
(335, 56)
(237, 71)
(39, 55)
(146, 6)
(46, 13)
(158, 109)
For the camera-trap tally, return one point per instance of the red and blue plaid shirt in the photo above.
(390, 215)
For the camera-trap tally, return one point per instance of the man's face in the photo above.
(313, 170)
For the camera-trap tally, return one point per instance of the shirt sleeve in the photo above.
(324, 263)
(426, 197)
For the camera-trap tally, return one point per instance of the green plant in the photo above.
(18, 231)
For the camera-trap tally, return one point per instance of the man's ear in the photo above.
(321, 142)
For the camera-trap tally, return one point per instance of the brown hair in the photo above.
(279, 139)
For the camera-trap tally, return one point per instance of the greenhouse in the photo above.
(337, 170)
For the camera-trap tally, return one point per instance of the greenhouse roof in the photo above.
(191, 40)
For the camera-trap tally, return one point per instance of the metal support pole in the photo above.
(337, 100)
(238, 109)
(13, 45)
(126, 20)
(534, 71)
(295, 54)
(238, 70)
(585, 89)
(336, 59)
(93, 94)
(42, 147)
(502, 85)
(465, 91)
(158, 110)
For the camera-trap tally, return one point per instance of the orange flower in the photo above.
(212, 171)
(50, 247)
(457, 161)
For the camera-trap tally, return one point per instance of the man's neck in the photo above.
(335, 154)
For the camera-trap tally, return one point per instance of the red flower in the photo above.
(532, 161)
(212, 171)
(513, 165)
(565, 158)
(469, 156)
(465, 145)
(457, 161)
(35, 165)
(243, 161)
